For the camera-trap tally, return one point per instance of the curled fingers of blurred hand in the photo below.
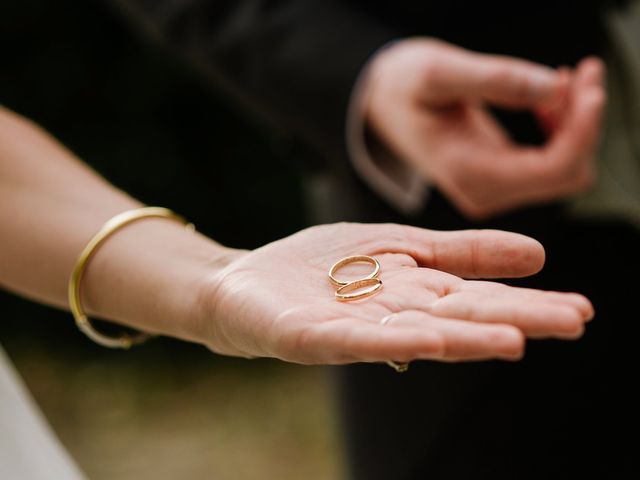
(277, 301)
(428, 102)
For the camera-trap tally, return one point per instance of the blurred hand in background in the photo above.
(428, 102)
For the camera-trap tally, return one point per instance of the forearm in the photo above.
(148, 275)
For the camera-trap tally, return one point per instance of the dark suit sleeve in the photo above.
(295, 61)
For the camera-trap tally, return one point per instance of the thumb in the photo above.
(467, 253)
(504, 81)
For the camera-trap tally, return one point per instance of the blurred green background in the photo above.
(156, 129)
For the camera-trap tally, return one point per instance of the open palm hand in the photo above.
(277, 301)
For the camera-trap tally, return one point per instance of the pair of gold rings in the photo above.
(356, 289)
(362, 288)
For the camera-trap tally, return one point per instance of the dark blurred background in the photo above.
(151, 125)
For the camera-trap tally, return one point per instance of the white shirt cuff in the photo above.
(390, 177)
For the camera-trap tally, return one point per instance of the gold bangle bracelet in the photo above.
(109, 228)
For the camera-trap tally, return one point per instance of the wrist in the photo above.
(201, 264)
(209, 313)
(150, 275)
(382, 167)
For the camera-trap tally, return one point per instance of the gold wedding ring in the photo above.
(362, 288)
(353, 259)
(398, 367)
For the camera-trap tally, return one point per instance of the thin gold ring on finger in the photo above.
(353, 259)
(359, 289)
(399, 367)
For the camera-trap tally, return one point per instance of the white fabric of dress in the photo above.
(29, 449)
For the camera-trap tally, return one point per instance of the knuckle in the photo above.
(432, 74)
(507, 77)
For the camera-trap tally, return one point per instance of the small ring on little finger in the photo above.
(397, 366)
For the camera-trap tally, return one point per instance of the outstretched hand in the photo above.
(277, 301)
